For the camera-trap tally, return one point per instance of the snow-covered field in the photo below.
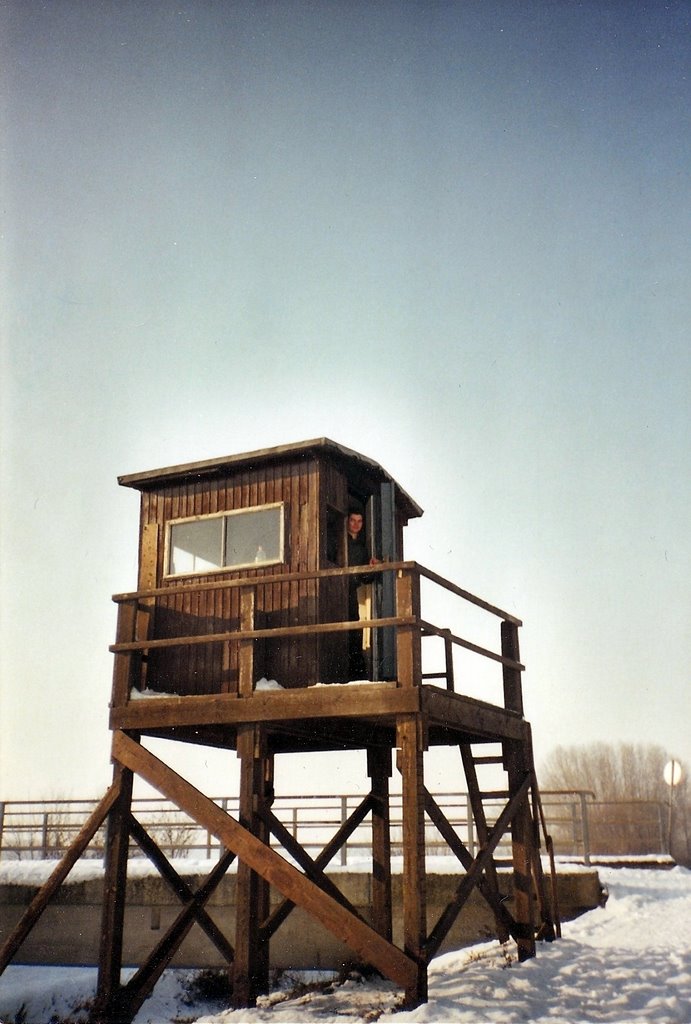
(630, 961)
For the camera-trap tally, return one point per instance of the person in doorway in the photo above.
(358, 554)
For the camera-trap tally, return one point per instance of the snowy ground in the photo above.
(626, 963)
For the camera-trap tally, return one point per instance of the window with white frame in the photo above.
(240, 539)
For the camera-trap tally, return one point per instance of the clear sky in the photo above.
(452, 236)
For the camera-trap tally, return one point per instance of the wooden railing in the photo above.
(411, 627)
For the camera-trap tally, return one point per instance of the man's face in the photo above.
(354, 523)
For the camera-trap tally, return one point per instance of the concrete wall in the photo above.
(69, 931)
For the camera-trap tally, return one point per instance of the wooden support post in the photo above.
(379, 770)
(518, 761)
(522, 851)
(410, 762)
(408, 640)
(251, 965)
(366, 943)
(108, 1008)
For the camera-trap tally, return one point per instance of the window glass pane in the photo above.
(254, 537)
(196, 546)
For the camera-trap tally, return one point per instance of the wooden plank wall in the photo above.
(207, 669)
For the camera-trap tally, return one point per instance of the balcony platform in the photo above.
(320, 718)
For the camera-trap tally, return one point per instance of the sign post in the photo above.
(672, 775)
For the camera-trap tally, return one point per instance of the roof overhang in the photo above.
(301, 449)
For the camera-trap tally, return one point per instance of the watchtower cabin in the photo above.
(257, 587)
(277, 515)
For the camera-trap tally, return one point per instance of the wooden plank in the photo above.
(275, 632)
(226, 583)
(370, 946)
(455, 711)
(44, 895)
(371, 701)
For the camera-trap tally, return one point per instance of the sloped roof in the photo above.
(215, 467)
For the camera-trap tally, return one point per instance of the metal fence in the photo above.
(581, 827)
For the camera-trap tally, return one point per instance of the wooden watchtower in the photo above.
(244, 575)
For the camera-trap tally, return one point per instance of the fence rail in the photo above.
(581, 826)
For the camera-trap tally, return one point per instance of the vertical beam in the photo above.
(483, 835)
(108, 990)
(148, 578)
(513, 690)
(379, 770)
(408, 641)
(246, 647)
(410, 763)
(518, 762)
(126, 663)
(448, 657)
(522, 844)
(251, 965)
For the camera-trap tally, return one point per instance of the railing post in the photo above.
(44, 836)
(344, 818)
(585, 827)
(246, 647)
(513, 690)
(123, 669)
(408, 639)
(448, 654)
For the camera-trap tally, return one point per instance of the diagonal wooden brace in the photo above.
(131, 997)
(367, 943)
(280, 913)
(474, 873)
(60, 873)
(487, 890)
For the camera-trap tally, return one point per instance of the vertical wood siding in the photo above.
(212, 668)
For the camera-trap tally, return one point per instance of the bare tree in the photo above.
(628, 783)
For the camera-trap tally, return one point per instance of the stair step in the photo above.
(495, 759)
(494, 794)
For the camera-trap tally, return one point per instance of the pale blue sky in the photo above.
(452, 236)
